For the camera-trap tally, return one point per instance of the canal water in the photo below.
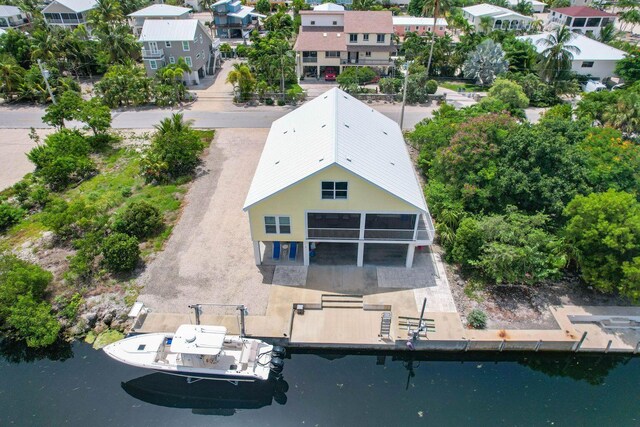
(78, 386)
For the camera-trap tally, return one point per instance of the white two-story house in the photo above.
(156, 11)
(12, 17)
(581, 19)
(332, 38)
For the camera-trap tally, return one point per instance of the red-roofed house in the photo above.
(581, 19)
(335, 39)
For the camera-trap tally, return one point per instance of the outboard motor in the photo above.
(279, 351)
(277, 365)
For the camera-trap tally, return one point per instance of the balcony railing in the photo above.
(371, 234)
(367, 61)
(152, 53)
(309, 59)
(333, 233)
(72, 21)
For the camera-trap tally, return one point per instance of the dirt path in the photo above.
(209, 257)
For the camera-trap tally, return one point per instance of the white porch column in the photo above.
(256, 252)
(360, 254)
(305, 252)
(410, 251)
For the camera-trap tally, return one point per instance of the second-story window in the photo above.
(185, 46)
(380, 38)
(313, 22)
(334, 189)
(365, 37)
(187, 60)
(353, 38)
(167, 44)
(335, 22)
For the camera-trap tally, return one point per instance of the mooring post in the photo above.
(606, 350)
(502, 344)
(577, 346)
(196, 309)
(468, 343)
(242, 309)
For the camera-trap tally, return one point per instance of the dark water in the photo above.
(85, 388)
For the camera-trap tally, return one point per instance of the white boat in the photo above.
(200, 352)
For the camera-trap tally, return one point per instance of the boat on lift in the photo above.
(201, 352)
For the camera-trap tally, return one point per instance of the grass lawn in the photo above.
(118, 183)
(468, 87)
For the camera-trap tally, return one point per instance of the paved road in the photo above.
(145, 119)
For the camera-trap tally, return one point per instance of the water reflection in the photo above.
(206, 397)
(18, 352)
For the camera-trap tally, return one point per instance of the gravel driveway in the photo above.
(209, 257)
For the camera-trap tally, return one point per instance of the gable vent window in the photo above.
(334, 189)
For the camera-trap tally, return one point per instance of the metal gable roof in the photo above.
(336, 129)
(590, 49)
(9, 11)
(74, 5)
(168, 30)
(161, 10)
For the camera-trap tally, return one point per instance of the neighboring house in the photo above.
(68, 13)
(157, 11)
(595, 58)
(232, 19)
(12, 17)
(581, 19)
(500, 17)
(421, 26)
(165, 41)
(581, 2)
(333, 38)
(336, 171)
(537, 6)
(338, 2)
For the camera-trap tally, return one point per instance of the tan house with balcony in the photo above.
(335, 38)
(335, 175)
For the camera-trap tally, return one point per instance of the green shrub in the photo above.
(242, 51)
(9, 215)
(477, 319)
(17, 278)
(174, 151)
(121, 252)
(33, 322)
(281, 102)
(390, 86)
(69, 306)
(69, 220)
(356, 75)
(431, 87)
(468, 242)
(139, 219)
(269, 101)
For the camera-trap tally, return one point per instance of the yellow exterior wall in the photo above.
(306, 196)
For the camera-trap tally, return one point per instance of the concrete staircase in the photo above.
(342, 301)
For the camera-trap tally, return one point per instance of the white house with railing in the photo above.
(68, 13)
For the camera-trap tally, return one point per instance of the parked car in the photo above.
(593, 86)
(330, 74)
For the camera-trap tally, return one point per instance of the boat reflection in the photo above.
(206, 397)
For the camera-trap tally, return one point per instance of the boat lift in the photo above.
(197, 308)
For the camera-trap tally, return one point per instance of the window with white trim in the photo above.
(277, 225)
(587, 64)
(380, 38)
(187, 60)
(172, 60)
(200, 38)
(197, 55)
(167, 44)
(365, 37)
(313, 22)
(334, 189)
(185, 46)
(353, 38)
(153, 64)
(367, 54)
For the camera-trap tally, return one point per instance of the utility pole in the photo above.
(45, 75)
(404, 94)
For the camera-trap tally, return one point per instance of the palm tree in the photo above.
(174, 74)
(486, 24)
(625, 113)
(242, 80)
(608, 34)
(557, 55)
(524, 7)
(436, 6)
(174, 124)
(118, 43)
(104, 14)
(10, 75)
(44, 45)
